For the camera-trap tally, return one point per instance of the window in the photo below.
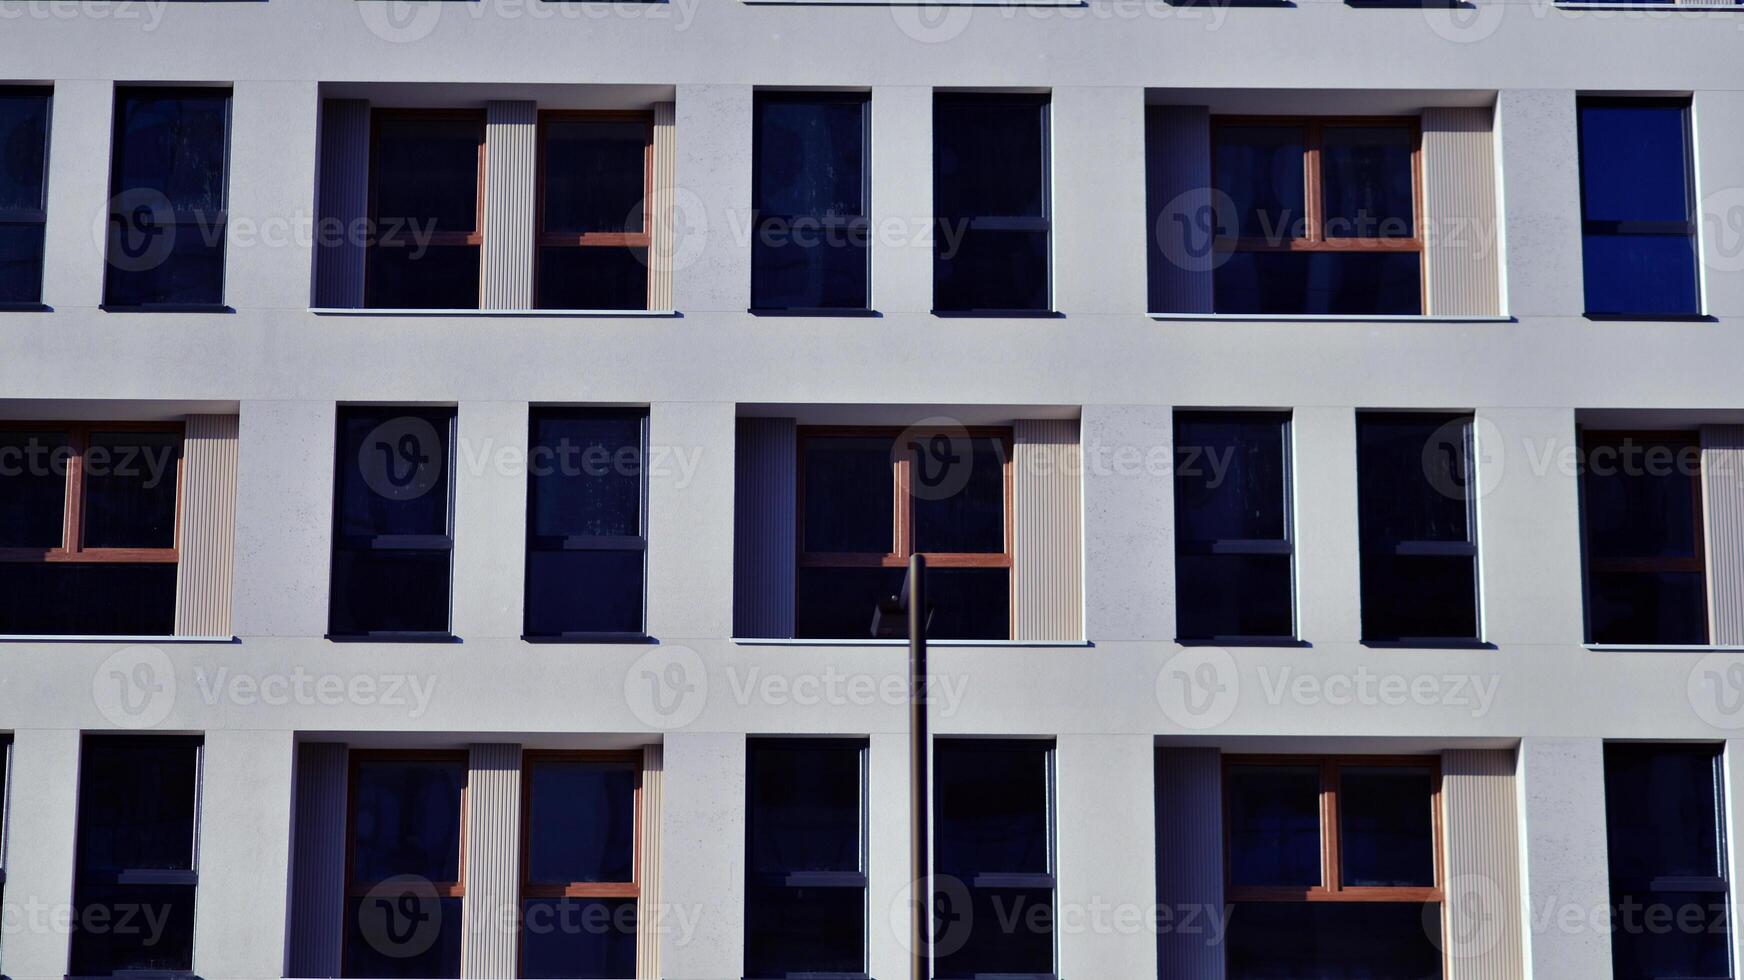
(404, 887)
(426, 210)
(167, 198)
(1665, 819)
(805, 858)
(1638, 226)
(991, 198)
(587, 538)
(1417, 527)
(595, 211)
(136, 874)
(392, 523)
(23, 193)
(1642, 503)
(1332, 867)
(1232, 523)
(88, 519)
(813, 186)
(993, 839)
(580, 884)
(1317, 216)
(869, 499)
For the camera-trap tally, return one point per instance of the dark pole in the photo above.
(917, 767)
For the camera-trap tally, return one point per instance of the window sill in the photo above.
(588, 638)
(401, 311)
(1652, 317)
(168, 308)
(1000, 314)
(1677, 7)
(1429, 644)
(391, 637)
(1330, 318)
(1664, 648)
(109, 638)
(25, 308)
(817, 313)
(783, 641)
(1242, 641)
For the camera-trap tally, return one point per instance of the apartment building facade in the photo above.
(452, 453)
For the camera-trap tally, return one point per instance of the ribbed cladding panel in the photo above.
(344, 203)
(1723, 512)
(662, 232)
(1190, 861)
(511, 145)
(493, 860)
(764, 528)
(648, 872)
(1178, 205)
(1461, 221)
(1482, 868)
(1047, 580)
(205, 573)
(318, 862)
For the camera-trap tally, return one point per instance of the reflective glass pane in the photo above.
(595, 173)
(1274, 825)
(586, 473)
(977, 269)
(1633, 162)
(1662, 806)
(1419, 597)
(426, 174)
(1648, 607)
(81, 598)
(389, 591)
(1367, 175)
(800, 932)
(958, 489)
(811, 156)
(1230, 474)
(406, 819)
(578, 937)
(800, 264)
(804, 806)
(171, 143)
(1003, 932)
(130, 489)
(990, 156)
(1646, 275)
(586, 591)
(1669, 934)
(403, 935)
(838, 603)
(581, 821)
(392, 470)
(33, 488)
(991, 801)
(419, 277)
(1355, 282)
(21, 263)
(1334, 941)
(1641, 494)
(848, 488)
(137, 798)
(1234, 595)
(132, 930)
(592, 278)
(1413, 479)
(1260, 169)
(1387, 826)
(161, 264)
(23, 147)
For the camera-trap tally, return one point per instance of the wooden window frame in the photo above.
(1698, 563)
(530, 889)
(72, 549)
(37, 216)
(543, 238)
(438, 239)
(1331, 887)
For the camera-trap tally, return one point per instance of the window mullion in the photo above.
(73, 534)
(902, 520)
(1331, 875)
(1312, 193)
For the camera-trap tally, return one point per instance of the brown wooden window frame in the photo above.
(1331, 887)
(72, 548)
(443, 889)
(1314, 237)
(475, 237)
(902, 518)
(593, 239)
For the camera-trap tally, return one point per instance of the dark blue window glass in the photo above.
(805, 889)
(1386, 826)
(593, 218)
(1419, 552)
(424, 178)
(812, 213)
(23, 178)
(1641, 503)
(168, 196)
(1334, 941)
(1232, 525)
(578, 937)
(1353, 282)
(581, 820)
(1665, 819)
(1274, 825)
(586, 539)
(407, 823)
(391, 523)
(1637, 208)
(990, 195)
(1260, 170)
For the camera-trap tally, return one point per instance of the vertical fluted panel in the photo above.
(764, 532)
(1178, 193)
(648, 869)
(493, 860)
(1047, 577)
(660, 252)
(1482, 867)
(511, 146)
(344, 203)
(317, 926)
(1189, 861)
(208, 534)
(1461, 256)
(1723, 509)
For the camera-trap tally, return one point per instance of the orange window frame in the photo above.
(72, 547)
(437, 238)
(544, 238)
(579, 889)
(1332, 887)
(443, 889)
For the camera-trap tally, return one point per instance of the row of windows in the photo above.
(1332, 865)
(1312, 215)
(89, 536)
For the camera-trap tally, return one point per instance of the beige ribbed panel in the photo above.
(1480, 828)
(208, 545)
(1047, 577)
(648, 912)
(660, 253)
(511, 145)
(1461, 220)
(318, 848)
(493, 860)
(1189, 817)
(1723, 512)
(344, 203)
(764, 530)
(1178, 207)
